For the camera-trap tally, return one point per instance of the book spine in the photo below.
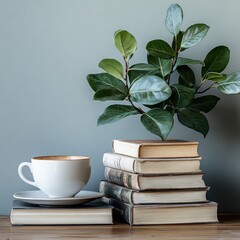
(111, 190)
(118, 162)
(122, 178)
(125, 148)
(122, 211)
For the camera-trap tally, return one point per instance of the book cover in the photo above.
(164, 213)
(95, 212)
(151, 166)
(131, 196)
(154, 181)
(156, 148)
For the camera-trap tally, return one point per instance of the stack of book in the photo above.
(155, 182)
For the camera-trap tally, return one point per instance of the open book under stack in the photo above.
(155, 182)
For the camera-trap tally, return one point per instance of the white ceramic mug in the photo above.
(58, 176)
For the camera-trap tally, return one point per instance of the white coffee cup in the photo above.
(58, 176)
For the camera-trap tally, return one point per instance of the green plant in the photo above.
(151, 84)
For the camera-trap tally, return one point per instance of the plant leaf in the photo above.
(174, 19)
(204, 103)
(187, 77)
(160, 48)
(158, 122)
(181, 95)
(113, 67)
(143, 67)
(139, 70)
(216, 60)
(194, 120)
(193, 35)
(164, 65)
(125, 42)
(150, 90)
(231, 85)
(170, 109)
(109, 94)
(214, 76)
(186, 61)
(105, 81)
(115, 113)
(107, 87)
(135, 75)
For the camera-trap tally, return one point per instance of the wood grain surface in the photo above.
(228, 228)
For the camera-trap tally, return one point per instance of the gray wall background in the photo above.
(47, 47)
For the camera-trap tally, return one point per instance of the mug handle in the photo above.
(21, 175)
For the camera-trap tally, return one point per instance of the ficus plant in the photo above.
(150, 90)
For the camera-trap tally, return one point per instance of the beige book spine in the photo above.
(122, 178)
(120, 162)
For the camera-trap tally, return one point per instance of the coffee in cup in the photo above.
(58, 176)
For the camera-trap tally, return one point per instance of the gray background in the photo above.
(47, 47)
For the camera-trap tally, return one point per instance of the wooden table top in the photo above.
(228, 228)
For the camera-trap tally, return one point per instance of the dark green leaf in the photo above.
(187, 77)
(125, 43)
(143, 67)
(116, 112)
(109, 94)
(204, 103)
(231, 85)
(140, 70)
(174, 19)
(181, 95)
(158, 105)
(193, 35)
(216, 60)
(150, 90)
(105, 81)
(135, 75)
(107, 87)
(186, 61)
(160, 48)
(194, 120)
(214, 76)
(113, 67)
(170, 109)
(164, 65)
(158, 122)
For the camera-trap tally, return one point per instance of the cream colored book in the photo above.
(131, 196)
(154, 182)
(156, 148)
(165, 213)
(150, 165)
(96, 212)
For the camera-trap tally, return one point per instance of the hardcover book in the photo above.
(156, 148)
(150, 165)
(128, 195)
(96, 212)
(165, 213)
(156, 181)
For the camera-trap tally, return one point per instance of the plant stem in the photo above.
(127, 86)
(137, 108)
(206, 89)
(202, 82)
(170, 73)
(126, 71)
